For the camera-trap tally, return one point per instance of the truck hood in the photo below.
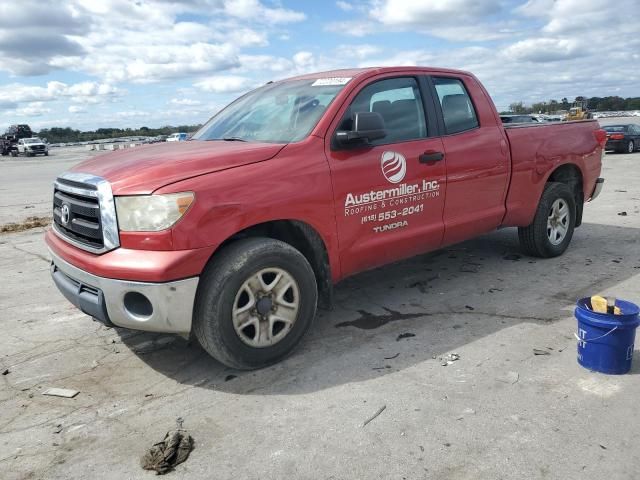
(141, 170)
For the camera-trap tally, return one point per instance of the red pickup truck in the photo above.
(237, 235)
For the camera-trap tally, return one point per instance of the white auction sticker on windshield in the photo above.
(322, 82)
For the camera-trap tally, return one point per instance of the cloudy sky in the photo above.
(99, 63)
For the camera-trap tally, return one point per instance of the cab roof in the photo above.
(359, 72)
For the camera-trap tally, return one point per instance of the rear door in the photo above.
(477, 158)
(389, 194)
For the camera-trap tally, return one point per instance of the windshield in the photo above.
(280, 112)
(32, 140)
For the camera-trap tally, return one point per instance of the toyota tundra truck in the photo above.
(236, 236)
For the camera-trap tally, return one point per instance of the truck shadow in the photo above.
(415, 311)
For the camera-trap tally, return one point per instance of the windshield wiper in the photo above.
(234, 139)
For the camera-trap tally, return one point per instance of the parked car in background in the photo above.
(177, 137)
(520, 119)
(32, 146)
(623, 138)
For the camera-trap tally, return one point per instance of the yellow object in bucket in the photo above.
(599, 305)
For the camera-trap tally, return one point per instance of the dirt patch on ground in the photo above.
(27, 224)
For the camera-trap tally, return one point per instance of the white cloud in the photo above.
(432, 12)
(188, 102)
(56, 90)
(545, 50)
(76, 109)
(354, 28)
(224, 84)
(33, 109)
(254, 10)
(345, 6)
(142, 42)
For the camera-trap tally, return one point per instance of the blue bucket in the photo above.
(605, 341)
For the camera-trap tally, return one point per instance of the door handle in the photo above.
(431, 156)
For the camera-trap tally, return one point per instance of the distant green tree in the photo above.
(66, 134)
(517, 107)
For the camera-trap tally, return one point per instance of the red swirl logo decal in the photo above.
(394, 166)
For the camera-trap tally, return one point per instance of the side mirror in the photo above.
(367, 126)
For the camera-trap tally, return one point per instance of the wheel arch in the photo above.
(571, 175)
(304, 238)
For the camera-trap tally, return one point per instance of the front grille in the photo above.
(83, 222)
(38, 148)
(84, 212)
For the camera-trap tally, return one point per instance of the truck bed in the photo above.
(536, 150)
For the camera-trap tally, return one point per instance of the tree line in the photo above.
(601, 104)
(69, 135)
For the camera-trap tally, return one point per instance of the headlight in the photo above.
(151, 213)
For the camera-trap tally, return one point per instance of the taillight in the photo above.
(601, 136)
(617, 136)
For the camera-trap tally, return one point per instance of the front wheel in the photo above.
(552, 228)
(255, 301)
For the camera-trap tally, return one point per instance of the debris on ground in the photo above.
(469, 307)
(61, 392)
(230, 377)
(405, 335)
(622, 214)
(537, 351)
(6, 372)
(392, 357)
(373, 417)
(449, 359)
(465, 412)
(509, 377)
(27, 224)
(173, 450)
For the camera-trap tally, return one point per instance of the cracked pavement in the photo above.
(498, 412)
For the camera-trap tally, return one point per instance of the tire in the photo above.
(631, 147)
(224, 287)
(13, 153)
(542, 238)
(46, 154)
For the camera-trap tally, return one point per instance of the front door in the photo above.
(389, 194)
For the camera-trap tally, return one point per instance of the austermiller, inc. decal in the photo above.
(391, 208)
(394, 166)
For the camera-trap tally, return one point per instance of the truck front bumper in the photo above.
(154, 307)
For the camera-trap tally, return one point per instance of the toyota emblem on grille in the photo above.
(64, 214)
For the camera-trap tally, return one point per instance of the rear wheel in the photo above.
(552, 228)
(255, 302)
(631, 147)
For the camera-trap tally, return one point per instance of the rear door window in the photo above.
(457, 109)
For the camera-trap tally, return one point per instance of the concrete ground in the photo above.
(26, 189)
(499, 412)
